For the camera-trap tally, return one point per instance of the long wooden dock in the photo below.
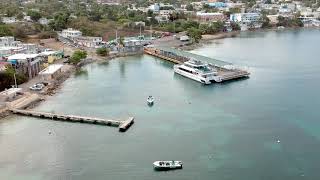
(225, 73)
(123, 125)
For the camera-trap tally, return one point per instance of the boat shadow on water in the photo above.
(166, 170)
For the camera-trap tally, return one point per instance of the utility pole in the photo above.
(15, 80)
(117, 35)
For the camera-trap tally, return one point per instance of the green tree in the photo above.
(5, 30)
(78, 56)
(20, 31)
(34, 15)
(102, 51)
(235, 26)
(189, 7)
(7, 78)
(59, 22)
(265, 21)
(195, 34)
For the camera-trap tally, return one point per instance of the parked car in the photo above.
(37, 87)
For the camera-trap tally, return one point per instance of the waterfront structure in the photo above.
(123, 125)
(247, 20)
(210, 17)
(27, 63)
(245, 17)
(225, 71)
(51, 72)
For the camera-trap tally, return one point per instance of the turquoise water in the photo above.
(221, 131)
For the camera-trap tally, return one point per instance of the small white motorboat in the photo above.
(167, 165)
(150, 100)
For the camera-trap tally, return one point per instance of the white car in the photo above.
(37, 87)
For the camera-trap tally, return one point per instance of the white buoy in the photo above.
(278, 141)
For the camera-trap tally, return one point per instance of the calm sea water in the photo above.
(221, 131)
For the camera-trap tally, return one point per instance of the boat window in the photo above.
(185, 70)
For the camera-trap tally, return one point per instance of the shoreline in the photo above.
(56, 84)
(54, 88)
(209, 38)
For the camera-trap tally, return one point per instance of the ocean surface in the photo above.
(266, 127)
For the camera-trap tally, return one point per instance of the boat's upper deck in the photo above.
(199, 66)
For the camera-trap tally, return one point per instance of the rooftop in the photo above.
(10, 91)
(22, 56)
(51, 69)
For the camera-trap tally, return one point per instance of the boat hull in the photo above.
(166, 168)
(167, 165)
(193, 76)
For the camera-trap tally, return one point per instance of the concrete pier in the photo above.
(123, 125)
(126, 124)
(226, 71)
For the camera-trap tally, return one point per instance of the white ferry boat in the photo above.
(197, 71)
(167, 165)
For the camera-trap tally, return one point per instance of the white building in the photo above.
(154, 7)
(245, 17)
(29, 48)
(27, 18)
(109, 2)
(51, 72)
(44, 21)
(71, 33)
(9, 20)
(165, 12)
(28, 63)
(7, 41)
(246, 20)
(90, 42)
(162, 19)
(140, 23)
